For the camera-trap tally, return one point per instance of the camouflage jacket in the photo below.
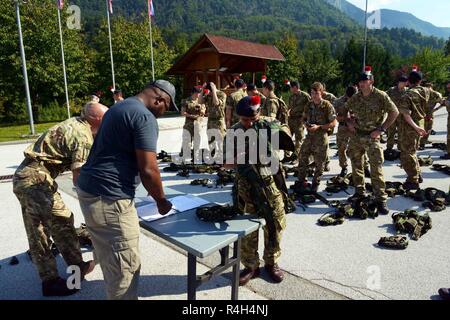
(232, 102)
(396, 95)
(270, 106)
(63, 147)
(216, 112)
(340, 105)
(267, 123)
(321, 114)
(297, 104)
(329, 97)
(369, 112)
(192, 107)
(416, 102)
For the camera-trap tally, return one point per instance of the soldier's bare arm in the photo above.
(151, 179)
(75, 175)
(216, 101)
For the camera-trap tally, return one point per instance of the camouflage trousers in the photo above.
(315, 145)
(190, 140)
(45, 215)
(428, 126)
(342, 139)
(249, 245)
(358, 146)
(216, 144)
(409, 143)
(391, 131)
(297, 130)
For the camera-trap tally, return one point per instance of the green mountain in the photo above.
(393, 19)
(257, 20)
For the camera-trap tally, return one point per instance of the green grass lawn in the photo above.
(20, 132)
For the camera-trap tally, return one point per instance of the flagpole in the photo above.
(24, 69)
(151, 40)
(63, 62)
(110, 45)
(365, 37)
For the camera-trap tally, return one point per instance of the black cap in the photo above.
(117, 90)
(415, 76)
(251, 87)
(239, 83)
(365, 76)
(168, 88)
(249, 106)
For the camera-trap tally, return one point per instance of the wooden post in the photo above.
(218, 79)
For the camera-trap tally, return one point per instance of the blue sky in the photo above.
(434, 11)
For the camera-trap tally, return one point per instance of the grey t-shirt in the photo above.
(111, 169)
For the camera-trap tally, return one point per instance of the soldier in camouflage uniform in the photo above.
(368, 109)
(428, 126)
(258, 197)
(194, 112)
(297, 104)
(215, 102)
(252, 91)
(447, 104)
(319, 117)
(343, 134)
(328, 96)
(271, 105)
(395, 93)
(63, 147)
(413, 108)
(232, 101)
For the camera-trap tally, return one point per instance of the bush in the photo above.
(52, 112)
(13, 112)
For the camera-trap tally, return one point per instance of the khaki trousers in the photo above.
(114, 228)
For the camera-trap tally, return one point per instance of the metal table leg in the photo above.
(192, 277)
(236, 268)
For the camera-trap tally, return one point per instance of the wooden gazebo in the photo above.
(220, 60)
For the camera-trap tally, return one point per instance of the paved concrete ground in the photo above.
(320, 262)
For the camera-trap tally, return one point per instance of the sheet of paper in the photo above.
(149, 211)
(187, 202)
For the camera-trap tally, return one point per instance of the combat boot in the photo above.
(56, 288)
(444, 293)
(382, 208)
(343, 172)
(274, 272)
(248, 274)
